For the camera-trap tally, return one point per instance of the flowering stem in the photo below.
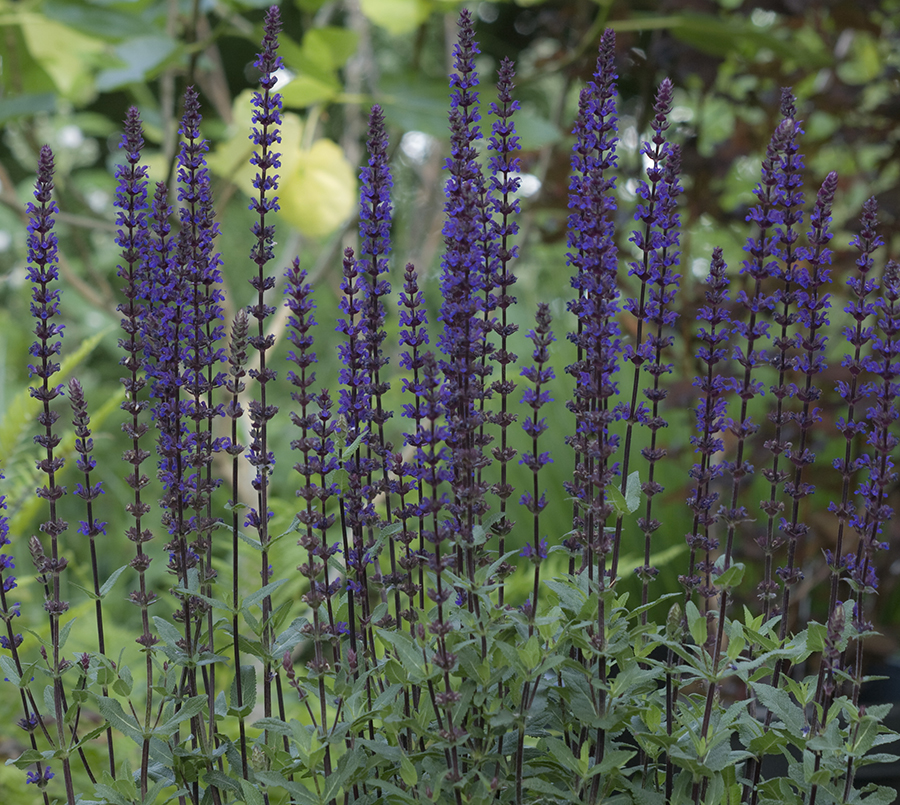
(42, 271)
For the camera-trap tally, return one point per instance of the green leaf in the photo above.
(633, 491)
(865, 736)
(570, 596)
(140, 57)
(530, 653)
(409, 654)
(562, 754)
(9, 668)
(629, 501)
(408, 772)
(252, 794)
(330, 46)
(248, 692)
(167, 631)
(696, 623)
(189, 708)
(731, 577)
(110, 582)
(397, 17)
(261, 593)
(481, 532)
(614, 759)
(64, 633)
(275, 725)
(119, 720)
(780, 703)
(27, 105)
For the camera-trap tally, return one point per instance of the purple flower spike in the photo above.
(265, 136)
(11, 640)
(593, 255)
(710, 414)
(43, 270)
(883, 415)
(84, 444)
(860, 309)
(133, 238)
(375, 230)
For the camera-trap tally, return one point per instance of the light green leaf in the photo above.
(731, 577)
(397, 17)
(65, 54)
(408, 772)
(696, 623)
(305, 90)
(330, 46)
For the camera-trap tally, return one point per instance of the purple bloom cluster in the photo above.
(8, 610)
(594, 258)
(710, 414)
(466, 286)
(427, 500)
(882, 416)
(265, 135)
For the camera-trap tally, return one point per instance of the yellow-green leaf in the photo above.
(397, 17)
(318, 193)
(305, 90)
(65, 54)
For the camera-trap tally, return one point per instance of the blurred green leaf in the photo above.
(26, 105)
(100, 20)
(140, 56)
(723, 36)
(414, 103)
(69, 57)
(329, 46)
(397, 17)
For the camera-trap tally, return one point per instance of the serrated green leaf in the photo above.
(167, 631)
(189, 708)
(275, 725)
(252, 794)
(781, 704)
(9, 668)
(248, 691)
(633, 492)
(119, 720)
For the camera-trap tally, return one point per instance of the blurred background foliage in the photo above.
(70, 69)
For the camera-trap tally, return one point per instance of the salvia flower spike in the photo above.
(435, 701)
(43, 273)
(265, 136)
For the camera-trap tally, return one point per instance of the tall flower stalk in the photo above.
(657, 244)
(43, 273)
(593, 257)
(411, 683)
(375, 246)
(504, 182)
(265, 136)
(133, 234)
